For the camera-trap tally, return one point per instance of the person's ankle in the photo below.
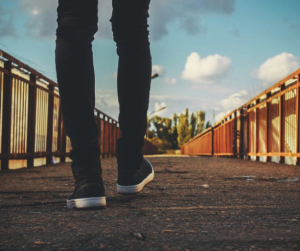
(89, 178)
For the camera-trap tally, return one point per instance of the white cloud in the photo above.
(178, 103)
(234, 101)
(219, 116)
(158, 69)
(158, 106)
(107, 101)
(276, 68)
(106, 97)
(231, 103)
(35, 12)
(205, 70)
(172, 97)
(171, 81)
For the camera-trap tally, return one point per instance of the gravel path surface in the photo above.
(194, 203)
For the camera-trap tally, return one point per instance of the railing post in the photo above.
(31, 120)
(281, 125)
(235, 135)
(109, 137)
(257, 130)
(212, 141)
(6, 119)
(224, 140)
(242, 122)
(116, 137)
(104, 137)
(98, 120)
(248, 135)
(268, 128)
(297, 120)
(50, 124)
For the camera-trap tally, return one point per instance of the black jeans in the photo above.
(77, 25)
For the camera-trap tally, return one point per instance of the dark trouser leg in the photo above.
(130, 30)
(77, 24)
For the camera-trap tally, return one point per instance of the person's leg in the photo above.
(130, 30)
(77, 24)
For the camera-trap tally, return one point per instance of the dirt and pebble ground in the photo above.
(246, 206)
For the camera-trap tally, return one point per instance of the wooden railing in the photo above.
(31, 125)
(266, 128)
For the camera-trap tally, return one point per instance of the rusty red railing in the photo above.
(31, 124)
(199, 145)
(266, 128)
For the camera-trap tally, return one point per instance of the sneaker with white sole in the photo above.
(88, 193)
(132, 180)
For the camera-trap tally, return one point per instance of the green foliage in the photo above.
(189, 128)
(208, 125)
(200, 118)
(192, 125)
(173, 133)
(165, 132)
(183, 129)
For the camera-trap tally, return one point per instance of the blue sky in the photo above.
(212, 55)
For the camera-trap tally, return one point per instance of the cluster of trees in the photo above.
(173, 133)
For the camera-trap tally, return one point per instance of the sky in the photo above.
(211, 55)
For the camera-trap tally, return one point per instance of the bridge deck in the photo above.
(174, 212)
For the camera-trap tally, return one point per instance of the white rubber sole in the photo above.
(86, 202)
(136, 188)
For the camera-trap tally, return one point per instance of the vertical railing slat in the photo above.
(281, 125)
(235, 139)
(6, 119)
(32, 95)
(297, 119)
(212, 140)
(242, 121)
(268, 129)
(257, 127)
(50, 124)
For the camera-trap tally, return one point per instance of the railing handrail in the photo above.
(265, 128)
(105, 115)
(21, 67)
(198, 136)
(265, 92)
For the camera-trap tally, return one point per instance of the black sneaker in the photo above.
(88, 193)
(133, 180)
